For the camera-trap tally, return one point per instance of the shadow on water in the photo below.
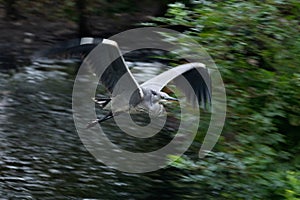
(41, 155)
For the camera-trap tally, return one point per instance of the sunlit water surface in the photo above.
(41, 155)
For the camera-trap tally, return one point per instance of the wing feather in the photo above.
(197, 76)
(70, 48)
(106, 61)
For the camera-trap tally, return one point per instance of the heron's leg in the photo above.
(106, 117)
(93, 123)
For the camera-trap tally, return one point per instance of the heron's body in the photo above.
(150, 103)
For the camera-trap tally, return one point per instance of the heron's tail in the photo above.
(74, 48)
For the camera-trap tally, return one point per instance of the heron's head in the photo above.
(161, 97)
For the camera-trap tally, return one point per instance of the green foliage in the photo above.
(256, 45)
(225, 176)
(293, 190)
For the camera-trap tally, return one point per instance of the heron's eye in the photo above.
(154, 93)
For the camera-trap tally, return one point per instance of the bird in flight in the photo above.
(106, 61)
(129, 96)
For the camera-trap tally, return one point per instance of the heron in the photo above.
(149, 96)
(146, 97)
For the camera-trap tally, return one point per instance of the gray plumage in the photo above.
(148, 96)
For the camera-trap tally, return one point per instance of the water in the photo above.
(41, 155)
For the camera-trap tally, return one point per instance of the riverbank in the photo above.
(21, 38)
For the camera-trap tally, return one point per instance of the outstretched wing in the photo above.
(198, 82)
(70, 48)
(106, 62)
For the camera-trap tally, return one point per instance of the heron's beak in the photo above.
(167, 98)
(171, 99)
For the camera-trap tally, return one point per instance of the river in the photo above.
(41, 154)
